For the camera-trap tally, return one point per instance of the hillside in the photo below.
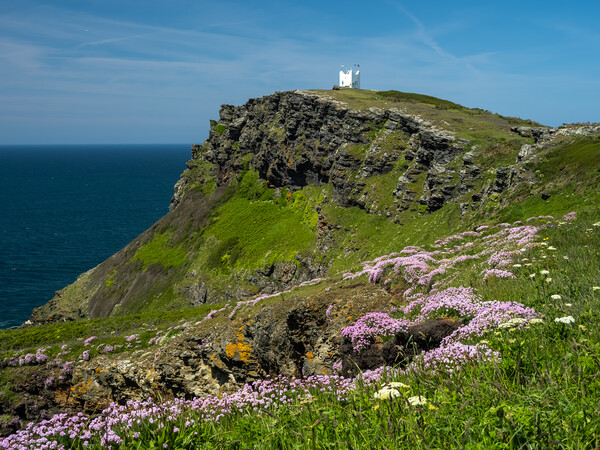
(292, 186)
(319, 236)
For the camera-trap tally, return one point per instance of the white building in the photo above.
(350, 78)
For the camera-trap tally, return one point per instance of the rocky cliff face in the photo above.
(297, 155)
(295, 139)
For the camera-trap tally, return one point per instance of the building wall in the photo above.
(345, 78)
(356, 79)
(350, 79)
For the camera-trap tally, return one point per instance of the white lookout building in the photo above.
(350, 78)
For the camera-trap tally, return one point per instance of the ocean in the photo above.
(65, 209)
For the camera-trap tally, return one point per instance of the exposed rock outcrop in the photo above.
(296, 138)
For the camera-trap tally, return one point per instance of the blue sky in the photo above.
(145, 71)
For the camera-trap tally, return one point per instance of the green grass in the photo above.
(269, 234)
(576, 159)
(397, 96)
(110, 279)
(254, 229)
(220, 129)
(363, 236)
(160, 251)
(63, 332)
(198, 176)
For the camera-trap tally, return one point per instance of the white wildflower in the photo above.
(597, 224)
(551, 248)
(536, 321)
(532, 275)
(517, 265)
(565, 257)
(544, 272)
(568, 304)
(387, 393)
(596, 288)
(417, 400)
(567, 319)
(512, 322)
(548, 280)
(555, 297)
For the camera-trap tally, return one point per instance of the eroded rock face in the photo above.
(294, 337)
(296, 138)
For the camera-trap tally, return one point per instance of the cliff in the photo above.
(303, 213)
(288, 187)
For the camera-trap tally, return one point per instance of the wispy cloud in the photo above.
(424, 35)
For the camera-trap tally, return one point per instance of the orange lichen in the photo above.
(82, 388)
(310, 356)
(241, 347)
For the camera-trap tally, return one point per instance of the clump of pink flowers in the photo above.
(497, 273)
(450, 358)
(371, 325)
(329, 311)
(456, 301)
(120, 424)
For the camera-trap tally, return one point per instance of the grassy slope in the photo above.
(543, 393)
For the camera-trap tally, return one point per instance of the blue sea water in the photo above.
(65, 209)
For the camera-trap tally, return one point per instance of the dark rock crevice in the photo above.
(399, 350)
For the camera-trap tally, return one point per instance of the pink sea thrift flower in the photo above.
(487, 273)
(450, 358)
(329, 311)
(372, 325)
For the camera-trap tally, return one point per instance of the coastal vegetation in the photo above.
(526, 377)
